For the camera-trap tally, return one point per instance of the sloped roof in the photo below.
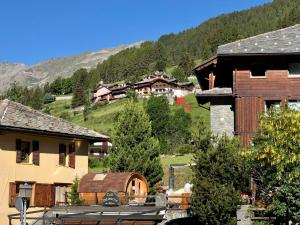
(286, 40)
(15, 116)
(102, 91)
(155, 79)
(104, 182)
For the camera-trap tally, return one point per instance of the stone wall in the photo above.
(222, 116)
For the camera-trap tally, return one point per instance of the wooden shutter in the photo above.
(72, 155)
(12, 194)
(18, 150)
(62, 154)
(44, 195)
(36, 153)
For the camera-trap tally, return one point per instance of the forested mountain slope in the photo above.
(199, 42)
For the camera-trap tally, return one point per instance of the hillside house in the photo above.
(248, 76)
(161, 84)
(45, 151)
(102, 94)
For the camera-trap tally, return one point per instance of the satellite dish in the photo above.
(20, 204)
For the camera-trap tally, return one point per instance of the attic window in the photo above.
(258, 70)
(294, 69)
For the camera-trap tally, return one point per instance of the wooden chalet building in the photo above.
(248, 76)
(161, 84)
(44, 151)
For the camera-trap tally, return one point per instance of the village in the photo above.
(217, 144)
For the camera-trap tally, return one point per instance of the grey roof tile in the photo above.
(17, 116)
(286, 40)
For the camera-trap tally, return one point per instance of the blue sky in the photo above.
(35, 30)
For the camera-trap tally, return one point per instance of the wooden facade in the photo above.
(250, 94)
(130, 187)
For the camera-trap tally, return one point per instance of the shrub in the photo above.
(185, 149)
(65, 115)
(48, 98)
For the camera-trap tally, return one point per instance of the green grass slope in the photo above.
(102, 118)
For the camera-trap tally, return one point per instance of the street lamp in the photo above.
(25, 191)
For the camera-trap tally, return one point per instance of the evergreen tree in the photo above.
(181, 122)
(187, 64)
(158, 109)
(74, 195)
(80, 84)
(179, 74)
(220, 175)
(134, 149)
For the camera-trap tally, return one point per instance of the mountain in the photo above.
(199, 43)
(50, 69)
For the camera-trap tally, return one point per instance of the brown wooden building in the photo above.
(248, 76)
(130, 187)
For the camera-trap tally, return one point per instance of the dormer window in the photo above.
(294, 69)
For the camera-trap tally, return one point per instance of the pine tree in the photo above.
(80, 84)
(134, 149)
(187, 64)
(220, 175)
(179, 74)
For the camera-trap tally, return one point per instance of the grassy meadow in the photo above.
(101, 119)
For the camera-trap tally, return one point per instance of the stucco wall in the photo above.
(49, 171)
(222, 116)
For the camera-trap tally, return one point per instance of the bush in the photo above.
(101, 164)
(48, 98)
(286, 204)
(98, 105)
(132, 95)
(65, 115)
(185, 149)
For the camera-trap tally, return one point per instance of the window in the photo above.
(61, 194)
(62, 154)
(258, 70)
(272, 104)
(25, 151)
(294, 104)
(294, 69)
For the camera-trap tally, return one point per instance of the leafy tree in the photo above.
(179, 74)
(219, 176)
(60, 86)
(160, 65)
(275, 155)
(134, 149)
(276, 146)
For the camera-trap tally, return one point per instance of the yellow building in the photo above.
(45, 151)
